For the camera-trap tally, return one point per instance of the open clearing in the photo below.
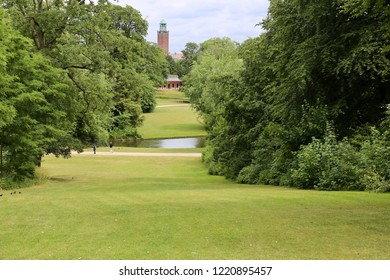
(143, 203)
(107, 207)
(173, 117)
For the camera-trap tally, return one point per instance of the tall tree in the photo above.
(318, 62)
(90, 73)
(33, 98)
(111, 68)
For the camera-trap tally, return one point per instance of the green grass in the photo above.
(171, 94)
(96, 207)
(106, 207)
(168, 122)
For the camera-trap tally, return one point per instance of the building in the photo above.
(176, 56)
(163, 41)
(173, 82)
(163, 37)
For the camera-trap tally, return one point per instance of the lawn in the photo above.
(173, 95)
(107, 207)
(176, 120)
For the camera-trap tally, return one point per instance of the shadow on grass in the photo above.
(61, 179)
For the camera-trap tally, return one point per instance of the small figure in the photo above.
(111, 147)
(94, 149)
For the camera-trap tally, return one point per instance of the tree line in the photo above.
(306, 103)
(72, 73)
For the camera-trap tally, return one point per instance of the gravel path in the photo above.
(197, 155)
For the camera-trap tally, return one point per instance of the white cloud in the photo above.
(197, 21)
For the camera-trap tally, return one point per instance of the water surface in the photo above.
(172, 143)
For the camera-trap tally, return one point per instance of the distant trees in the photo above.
(183, 66)
(72, 73)
(318, 75)
(189, 58)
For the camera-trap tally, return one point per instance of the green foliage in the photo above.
(210, 80)
(71, 73)
(175, 67)
(375, 160)
(190, 56)
(32, 94)
(212, 86)
(102, 48)
(327, 165)
(317, 62)
(338, 165)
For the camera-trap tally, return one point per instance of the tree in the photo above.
(189, 57)
(317, 63)
(174, 66)
(213, 81)
(86, 71)
(102, 47)
(33, 98)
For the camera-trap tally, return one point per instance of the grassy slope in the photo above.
(97, 207)
(171, 121)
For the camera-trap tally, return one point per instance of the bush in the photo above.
(375, 161)
(339, 165)
(374, 182)
(327, 165)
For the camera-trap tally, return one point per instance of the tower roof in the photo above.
(163, 21)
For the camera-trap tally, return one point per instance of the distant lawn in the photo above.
(171, 94)
(167, 122)
(96, 207)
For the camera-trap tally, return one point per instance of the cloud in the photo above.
(198, 21)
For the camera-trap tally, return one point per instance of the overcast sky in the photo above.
(199, 20)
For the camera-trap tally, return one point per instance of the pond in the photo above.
(172, 143)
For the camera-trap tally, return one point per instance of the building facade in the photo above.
(173, 82)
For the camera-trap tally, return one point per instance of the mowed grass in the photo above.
(97, 207)
(177, 120)
(174, 95)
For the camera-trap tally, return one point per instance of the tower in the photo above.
(163, 37)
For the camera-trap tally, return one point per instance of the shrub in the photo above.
(375, 161)
(374, 182)
(338, 165)
(327, 165)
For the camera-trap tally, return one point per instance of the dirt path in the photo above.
(128, 154)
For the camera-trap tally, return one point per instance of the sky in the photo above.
(200, 20)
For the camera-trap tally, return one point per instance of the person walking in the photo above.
(94, 149)
(111, 147)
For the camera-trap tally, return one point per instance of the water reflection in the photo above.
(173, 143)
